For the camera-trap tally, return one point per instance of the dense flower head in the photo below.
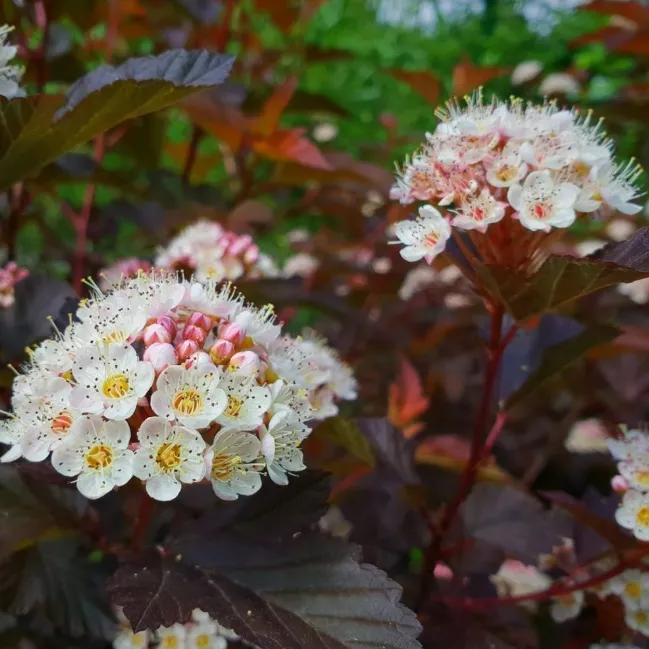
(207, 250)
(173, 381)
(10, 275)
(506, 174)
(202, 632)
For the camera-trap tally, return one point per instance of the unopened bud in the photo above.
(239, 245)
(186, 349)
(200, 320)
(169, 324)
(198, 360)
(156, 333)
(232, 332)
(160, 355)
(192, 332)
(251, 255)
(244, 363)
(221, 351)
(619, 485)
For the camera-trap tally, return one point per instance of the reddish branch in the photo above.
(197, 134)
(142, 521)
(480, 446)
(81, 220)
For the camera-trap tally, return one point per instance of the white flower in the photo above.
(632, 586)
(205, 635)
(559, 83)
(191, 396)
(213, 298)
(12, 432)
(550, 151)
(615, 185)
(301, 265)
(424, 237)
(246, 403)
(110, 381)
(54, 355)
(290, 397)
(620, 229)
(293, 360)
(96, 451)
(171, 637)
(637, 620)
(114, 319)
(10, 75)
(479, 212)
(567, 607)
(637, 291)
(323, 403)
(48, 417)
(280, 442)
(541, 203)
(507, 168)
(126, 639)
(636, 472)
(259, 324)
(633, 514)
(630, 445)
(526, 71)
(233, 464)
(168, 455)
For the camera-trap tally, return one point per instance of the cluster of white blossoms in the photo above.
(208, 251)
(10, 74)
(492, 166)
(173, 381)
(202, 632)
(631, 451)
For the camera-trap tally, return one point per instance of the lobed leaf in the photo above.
(34, 131)
(277, 586)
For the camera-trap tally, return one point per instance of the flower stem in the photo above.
(142, 521)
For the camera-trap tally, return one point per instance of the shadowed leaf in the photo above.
(346, 433)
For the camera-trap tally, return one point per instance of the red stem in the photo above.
(18, 200)
(197, 134)
(223, 34)
(82, 219)
(495, 349)
(43, 22)
(142, 521)
(558, 589)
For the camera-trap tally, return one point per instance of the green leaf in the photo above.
(346, 433)
(557, 357)
(34, 131)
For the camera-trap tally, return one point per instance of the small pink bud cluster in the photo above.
(10, 275)
(209, 251)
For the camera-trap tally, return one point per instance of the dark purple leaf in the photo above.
(632, 253)
(513, 521)
(258, 572)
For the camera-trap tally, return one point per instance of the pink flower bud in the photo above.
(251, 255)
(160, 355)
(185, 349)
(192, 332)
(198, 360)
(169, 324)
(221, 351)
(239, 245)
(619, 485)
(232, 332)
(156, 333)
(244, 363)
(442, 571)
(201, 321)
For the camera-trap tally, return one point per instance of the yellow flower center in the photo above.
(641, 617)
(642, 517)
(138, 640)
(170, 642)
(61, 423)
(99, 457)
(642, 477)
(202, 641)
(506, 173)
(168, 456)
(223, 466)
(115, 336)
(633, 589)
(187, 402)
(234, 407)
(116, 386)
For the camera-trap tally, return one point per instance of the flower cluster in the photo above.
(631, 451)
(173, 381)
(206, 250)
(10, 74)
(116, 273)
(201, 633)
(506, 174)
(10, 275)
